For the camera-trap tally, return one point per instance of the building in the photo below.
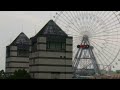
(47, 55)
(17, 54)
(51, 53)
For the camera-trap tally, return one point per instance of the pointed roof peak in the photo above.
(22, 33)
(51, 28)
(51, 20)
(21, 39)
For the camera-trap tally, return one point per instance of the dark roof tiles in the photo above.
(51, 28)
(21, 39)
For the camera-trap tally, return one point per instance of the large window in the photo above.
(56, 46)
(23, 50)
(56, 43)
(63, 46)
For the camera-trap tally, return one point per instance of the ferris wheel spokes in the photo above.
(102, 30)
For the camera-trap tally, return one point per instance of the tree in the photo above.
(20, 74)
(2, 74)
(118, 71)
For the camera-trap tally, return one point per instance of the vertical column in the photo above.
(69, 48)
(41, 43)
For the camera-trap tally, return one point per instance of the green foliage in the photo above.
(20, 74)
(118, 71)
(2, 74)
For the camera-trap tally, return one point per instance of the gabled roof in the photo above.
(21, 39)
(51, 28)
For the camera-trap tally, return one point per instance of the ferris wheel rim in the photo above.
(115, 56)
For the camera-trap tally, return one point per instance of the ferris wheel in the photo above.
(96, 38)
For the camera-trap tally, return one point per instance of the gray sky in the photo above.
(12, 23)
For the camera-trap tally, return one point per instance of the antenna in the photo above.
(50, 15)
(35, 30)
(22, 27)
(10, 40)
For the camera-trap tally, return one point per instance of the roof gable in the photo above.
(51, 28)
(21, 39)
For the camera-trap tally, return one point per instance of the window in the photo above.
(23, 50)
(23, 53)
(63, 46)
(34, 48)
(57, 46)
(56, 43)
(52, 45)
(7, 51)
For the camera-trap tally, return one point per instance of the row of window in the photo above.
(23, 53)
(56, 46)
(23, 50)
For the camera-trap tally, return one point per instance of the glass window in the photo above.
(23, 50)
(63, 46)
(58, 46)
(8, 52)
(56, 43)
(52, 45)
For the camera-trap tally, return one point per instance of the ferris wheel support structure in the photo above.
(82, 54)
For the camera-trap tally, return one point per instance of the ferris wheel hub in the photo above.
(85, 37)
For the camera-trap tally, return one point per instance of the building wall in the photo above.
(12, 70)
(46, 64)
(13, 62)
(49, 76)
(50, 61)
(51, 54)
(43, 64)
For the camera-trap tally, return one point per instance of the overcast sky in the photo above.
(12, 23)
